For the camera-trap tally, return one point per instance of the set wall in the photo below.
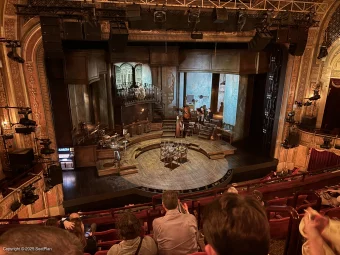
(199, 84)
(231, 91)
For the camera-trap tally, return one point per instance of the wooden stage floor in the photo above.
(84, 186)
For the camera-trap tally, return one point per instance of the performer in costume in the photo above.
(186, 119)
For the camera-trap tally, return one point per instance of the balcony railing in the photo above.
(131, 94)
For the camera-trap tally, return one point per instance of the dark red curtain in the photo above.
(331, 116)
(322, 159)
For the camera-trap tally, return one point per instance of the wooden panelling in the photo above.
(132, 54)
(225, 62)
(76, 68)
(161, 56)
(248, 62)
(194, 60)
(85, 156)
(79, 104)
(96, 65)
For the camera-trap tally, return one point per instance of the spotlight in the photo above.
(13, 53)
(326, 143)
(308, 103)
(24, 130)
(315, 97)
(25, 121)
(194, 16)
(28, 196)
(46, 150)
(159, 16)
(323, 52)
(7, 136)
(290, 118)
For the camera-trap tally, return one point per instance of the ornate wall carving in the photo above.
(26, 85)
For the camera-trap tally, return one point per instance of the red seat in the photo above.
(86, 254)
(333, 213)
(199, 253)
(101, 252)
(108, 235)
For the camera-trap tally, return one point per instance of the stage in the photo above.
(84, 188)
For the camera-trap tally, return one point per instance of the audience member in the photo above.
(88, 242)
(52, 222)
(232, 190)
(130, 230)
(322, 234)
(175, 233)
(32, 240)
(67, 223)
(258, 196)
(236, 225)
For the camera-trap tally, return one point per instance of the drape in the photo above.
(322, 159)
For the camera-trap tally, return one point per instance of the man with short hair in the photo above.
(176, 232)
(236, 225)
(33, 239)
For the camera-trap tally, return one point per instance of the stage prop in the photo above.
(173, 152)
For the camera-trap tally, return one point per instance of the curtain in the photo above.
(322, 159)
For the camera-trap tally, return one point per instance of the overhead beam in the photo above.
(297, 6)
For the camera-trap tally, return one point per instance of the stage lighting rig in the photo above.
(316, 96)
(290, 119)
(194, 16)
(159, 16)
(29, 125)
(323, 52)
(13, 54)
(28, 197)
(46, 150)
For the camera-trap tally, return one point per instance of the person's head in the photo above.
(258, 196)
(59, 240)
(236, 225)
(170, 200)
(232, 190)
(129, 226)
(74, 216)
(78, 230)
(51, 222)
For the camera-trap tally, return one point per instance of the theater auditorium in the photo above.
(111, 110)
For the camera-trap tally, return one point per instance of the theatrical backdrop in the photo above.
(104, 91)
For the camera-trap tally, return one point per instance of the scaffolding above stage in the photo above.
(319, 7)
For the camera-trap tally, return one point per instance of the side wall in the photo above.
(26, 85)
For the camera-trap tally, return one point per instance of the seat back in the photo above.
(293, 239)
(333, 213)
(108, 235)
(107, 244)
(310, 199)
(101, 252)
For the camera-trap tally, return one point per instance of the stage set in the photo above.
(158, 118)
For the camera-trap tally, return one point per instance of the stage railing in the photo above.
(134, 93)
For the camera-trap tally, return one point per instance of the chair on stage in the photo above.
(183, 154)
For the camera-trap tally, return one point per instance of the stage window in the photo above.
(131, 73)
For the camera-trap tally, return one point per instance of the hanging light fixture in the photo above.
(323, 48)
